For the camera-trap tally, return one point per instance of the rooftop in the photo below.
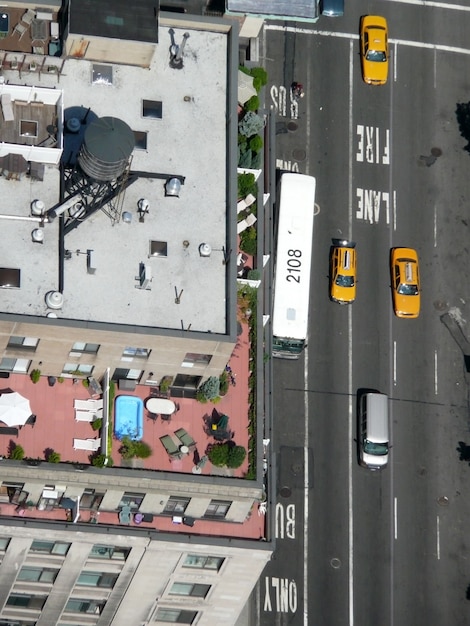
(187, 290)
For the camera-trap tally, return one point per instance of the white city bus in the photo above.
(293, 265)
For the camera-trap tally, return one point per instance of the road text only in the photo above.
(280, 595)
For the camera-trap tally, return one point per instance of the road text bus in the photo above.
(293, 264)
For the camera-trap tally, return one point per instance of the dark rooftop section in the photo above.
(116, 19)
(288, 9)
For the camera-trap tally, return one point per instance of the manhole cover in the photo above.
(292, 127)
(437, 152)
(443, 500)
(299, 155)
(440, 305)
(285, 492)
(335, 563)
(297, 468)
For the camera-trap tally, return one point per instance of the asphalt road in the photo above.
(356, 547)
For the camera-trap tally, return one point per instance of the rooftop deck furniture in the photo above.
(8, 430)
(185, 438)
(171, 447)
(88, 405)
(28, 17)
(20, 29)
(87, 444)
(242, 205)
(160, 405)
(246, 223)
(125, 515)
(7, 108)
(84, 416)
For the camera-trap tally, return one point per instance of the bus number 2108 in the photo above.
(294, 264)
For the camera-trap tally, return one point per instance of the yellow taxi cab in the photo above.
(343, 271)
(404, 268)
(374, 49)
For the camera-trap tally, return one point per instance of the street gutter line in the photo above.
(435, 226)
(350, 364)
(438, 539)
(395, 363)
(435, 372)
(395, 516)
(306, 490)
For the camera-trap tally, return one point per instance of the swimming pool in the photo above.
(129, 417)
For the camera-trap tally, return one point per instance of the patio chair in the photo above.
(88, 405)
(84, 416)
(92, 445)
(245, 203)
(246, 223)
(125, 515)
(171, 447)
(20, 29)
(28, 17)
(185, 438)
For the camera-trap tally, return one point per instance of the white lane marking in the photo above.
(435, 372)
(353, 36)
(350, 353)
(395, 363)
(395, 516)
(306, 489)
(438, 538)
(394, 210)
(435, 226)
(395, 62)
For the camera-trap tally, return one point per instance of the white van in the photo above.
(373, 438)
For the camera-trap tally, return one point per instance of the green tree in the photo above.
(218, 454)
(236, 456)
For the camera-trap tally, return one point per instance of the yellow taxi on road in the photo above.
(343, 271)
(374, 49)
(406, 289)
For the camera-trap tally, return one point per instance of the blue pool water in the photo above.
(129, 417)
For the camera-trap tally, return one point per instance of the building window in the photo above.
(152, 109)
(84, 348)
(199, 561)
(192, 358)
(15, 365)
(217, 508)
(136, 353)
(37, 574)
(175, 616)
(102, 74)
(140, 138)
(185, 386)
(26, 601)
(115, 553)
(158, 248)
(91, 500)
(49, 547)
(77, 368)
(121, 373)
(78, 605)
(190, 589)
(134, 500)
(176, 505)
(4, 544)
(97, 579)
(23, 343)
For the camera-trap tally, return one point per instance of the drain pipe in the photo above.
(37, 219)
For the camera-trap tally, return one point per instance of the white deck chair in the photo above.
(20, 29)
(7, 108)
(245, 203)
(87, 444)
(84, 416)
(88, 405)
(28, 17)
(251, 219)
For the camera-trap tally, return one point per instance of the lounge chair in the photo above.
(91, 445)
(7, 108)
(246, 223)
(84, 416)
(245, 203)
(88, 405)
(20, 29)
(185, 438)
(28, 17)
(171, 447)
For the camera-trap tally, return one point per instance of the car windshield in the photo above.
(377, 449)
(344, 281)
(376, 55)
(407, 290)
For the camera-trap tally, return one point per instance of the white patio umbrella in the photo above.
(14, 409)
(245, 87)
